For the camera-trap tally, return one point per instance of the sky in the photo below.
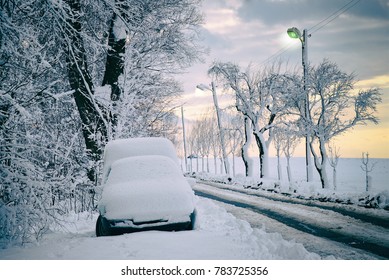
(352, 33)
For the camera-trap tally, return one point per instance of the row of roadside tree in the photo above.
(269, 105)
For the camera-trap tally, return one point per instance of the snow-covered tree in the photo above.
(208, 135)
(216, 150)
(234, 136)
(73, 74)
(334, 156)
(203, 139)
(288, 148)
(367, 167)
(334, 109)
(96, 43)
(278, 140)
(259, 98)
(146, 40)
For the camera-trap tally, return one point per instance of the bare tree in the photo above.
(289, 147)
(331, 97)
(285, 141)
(215, 143)
(208, 135)
(278, 140)
(235, 137)
(367, 168)
(259, 99)
(334, 156)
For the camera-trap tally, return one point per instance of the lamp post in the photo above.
(295, 33)
(184, 138)
(221, 133)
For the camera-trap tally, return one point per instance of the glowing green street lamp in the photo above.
(295, 33)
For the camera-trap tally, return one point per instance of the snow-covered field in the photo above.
(218, 235)
(350, 176)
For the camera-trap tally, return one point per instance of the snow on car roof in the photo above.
(122, 148)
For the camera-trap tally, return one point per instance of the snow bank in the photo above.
(299, 189)
(218, 235)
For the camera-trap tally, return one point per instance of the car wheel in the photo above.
(102, 227)
(192, 220)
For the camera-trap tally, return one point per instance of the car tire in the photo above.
(102, 227)
(192, 220)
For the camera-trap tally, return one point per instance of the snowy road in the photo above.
(351, 234)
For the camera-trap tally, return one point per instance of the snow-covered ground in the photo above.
(218, 235)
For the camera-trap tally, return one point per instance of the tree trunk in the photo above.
(215, 162)
(94, 129)
(279, 171)
(114, 66)
(233, 164)
(288, 169)
(245, 155)
(320, 162)
(263, 154)
(334, 177)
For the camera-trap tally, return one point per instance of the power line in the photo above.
(334, 16)
(318, 26)
(278, 53)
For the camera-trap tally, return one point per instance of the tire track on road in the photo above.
(360, 215)
(372, 244)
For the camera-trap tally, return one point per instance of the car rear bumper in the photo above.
(117, 227)
(160, 227)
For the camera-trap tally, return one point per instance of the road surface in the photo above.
(324, 228)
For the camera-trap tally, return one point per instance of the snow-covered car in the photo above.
(143, 192)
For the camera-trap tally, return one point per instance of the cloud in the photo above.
(271, 11)
(381, 81)
(221, 21)
(251, 31)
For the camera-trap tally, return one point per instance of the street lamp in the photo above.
(221, 133)
(295, 33)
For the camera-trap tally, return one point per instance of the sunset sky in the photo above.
(354, 34)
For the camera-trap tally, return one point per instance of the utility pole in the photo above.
(184, 138)
(308, 159)
(295, 33)
(221, 132)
